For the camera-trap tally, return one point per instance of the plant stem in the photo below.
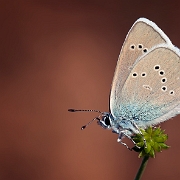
(142, 168)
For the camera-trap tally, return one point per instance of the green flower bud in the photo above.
(155, 141)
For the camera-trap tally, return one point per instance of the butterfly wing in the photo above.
(151, 93)
(143, 35)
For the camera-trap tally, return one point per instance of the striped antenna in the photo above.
(87, 110)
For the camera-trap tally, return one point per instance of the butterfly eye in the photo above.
(107, 121)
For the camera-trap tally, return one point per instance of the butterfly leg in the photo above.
(129, 137)
(120, 137)
(135, 125)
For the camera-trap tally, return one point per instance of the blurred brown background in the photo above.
(56, 55)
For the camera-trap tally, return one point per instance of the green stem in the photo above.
(142, 168)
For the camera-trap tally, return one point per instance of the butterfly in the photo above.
(145, 89)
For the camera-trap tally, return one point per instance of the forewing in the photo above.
(143, 35)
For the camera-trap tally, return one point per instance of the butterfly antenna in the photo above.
(87, 110)
(83, 127)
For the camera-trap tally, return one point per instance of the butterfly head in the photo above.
(104, 119)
